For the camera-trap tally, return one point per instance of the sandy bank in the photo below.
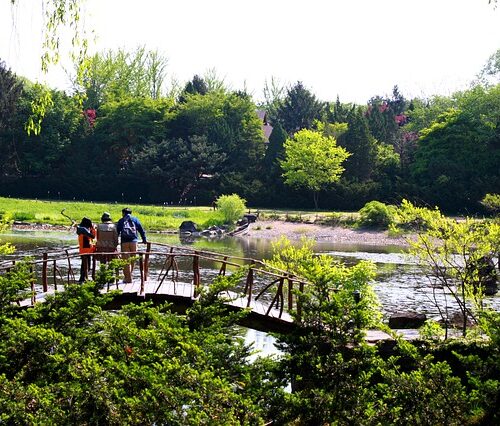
(295, 231)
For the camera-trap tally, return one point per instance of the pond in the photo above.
(400, 284)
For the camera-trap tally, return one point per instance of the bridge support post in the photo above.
(290, 294)
(299, 306)
(196, 273)
(141, 270)
(54, 271)
(33, 290)
(146, 261)
(45, 285)
(70, 270)
(93, 267)
(249, 286)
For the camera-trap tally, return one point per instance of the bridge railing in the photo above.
(173, 265)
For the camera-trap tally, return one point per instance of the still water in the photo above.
(400, 284)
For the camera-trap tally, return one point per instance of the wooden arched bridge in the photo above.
(177, 274)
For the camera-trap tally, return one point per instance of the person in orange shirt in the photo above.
(86, 234)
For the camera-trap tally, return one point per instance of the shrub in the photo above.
(376, 214)
(232, 207)
(22, 216)
(492, 203)
(411, 218)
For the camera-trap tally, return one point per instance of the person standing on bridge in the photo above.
(86, 234)
(128, 227)
(107, 239)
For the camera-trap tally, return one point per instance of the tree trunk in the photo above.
(315, 198)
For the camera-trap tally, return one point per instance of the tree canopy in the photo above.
(312, 161)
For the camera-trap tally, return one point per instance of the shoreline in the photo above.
(274, 229)
(322, 233)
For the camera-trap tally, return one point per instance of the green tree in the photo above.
(230, 123)
(453, 254)
(361, 144)
(43, 154)
(312, 161)
(456, 161)
(10, 91)
(122, 128)
(178, 165)
(275, 149)
(118, 76)
(299, 109)
(196, 86)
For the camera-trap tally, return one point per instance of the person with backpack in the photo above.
(86, 236)
(128, 227)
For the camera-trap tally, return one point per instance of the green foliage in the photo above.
(275, 150)
(376, 214)
(14, 287)
(326, 360)
(312, 161)
(361, 145)
(453, 252)
(299, 109)
(117, 76)
(431, 330)
(152, 217)
(329, 299)
(456, 161)
(429, 394)
(492, 203)
(166, 162)
(10, 91)
(68, 361)
(232, 207)
(409, 217)
(6, 248)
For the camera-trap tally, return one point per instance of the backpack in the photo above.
(129, 231)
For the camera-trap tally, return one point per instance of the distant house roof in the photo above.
(266, 127)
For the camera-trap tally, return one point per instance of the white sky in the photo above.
(352, 48)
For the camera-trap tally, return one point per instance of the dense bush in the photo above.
(376, 214)
(232, 207)
(492, 203)
(409, 217)
(70, 361)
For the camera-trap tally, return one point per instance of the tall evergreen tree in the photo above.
(299, 109)
(196, 86)
(10, 91)
(359, 141)
(275, 149)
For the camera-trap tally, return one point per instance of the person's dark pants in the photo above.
(85, 268)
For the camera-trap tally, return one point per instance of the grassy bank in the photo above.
(152, 217)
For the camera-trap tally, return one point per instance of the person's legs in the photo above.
(84, 268)
(127, 270)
